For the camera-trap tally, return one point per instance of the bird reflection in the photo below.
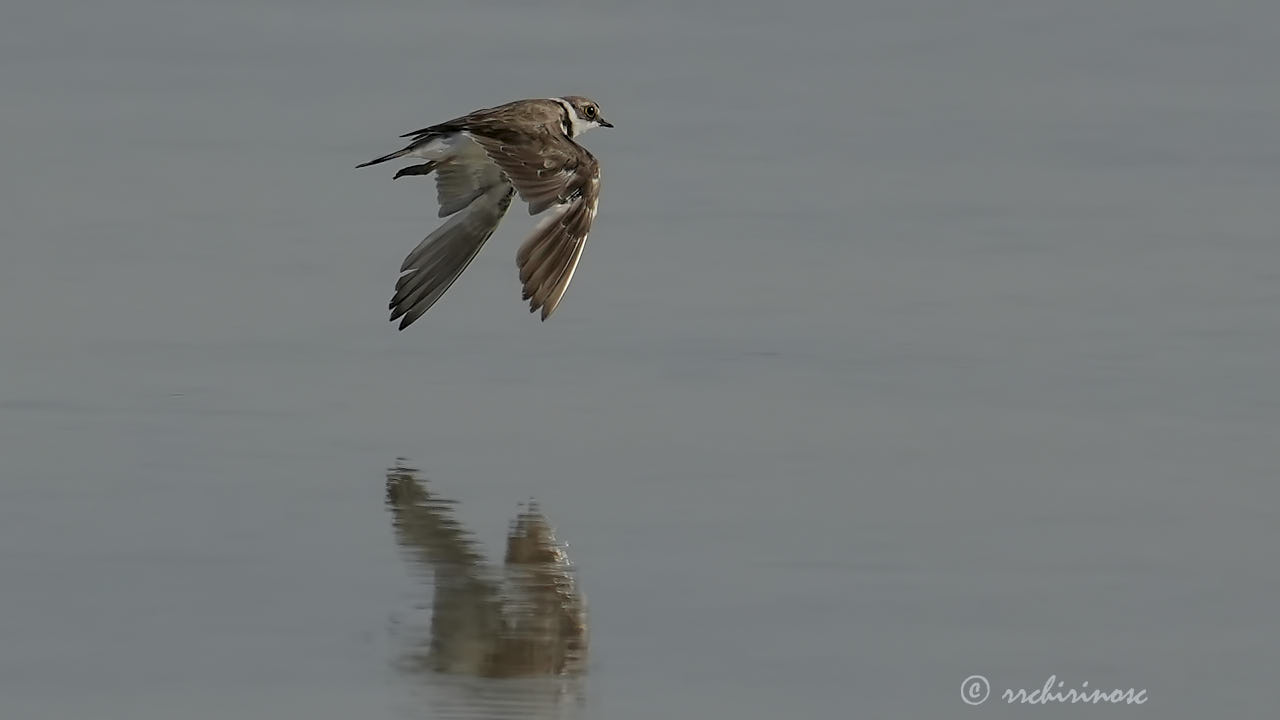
(510, 640)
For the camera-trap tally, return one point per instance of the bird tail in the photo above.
(384, 158)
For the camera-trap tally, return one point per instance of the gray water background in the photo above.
(915, 340)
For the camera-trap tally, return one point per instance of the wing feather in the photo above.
(546, 168)
(550, 256)
(439, 259)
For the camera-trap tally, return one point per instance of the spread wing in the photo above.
(471, 189)
(438, 260)
(550, 172)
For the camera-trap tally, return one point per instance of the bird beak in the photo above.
(604, 123)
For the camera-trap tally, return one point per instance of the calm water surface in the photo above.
(915, 340)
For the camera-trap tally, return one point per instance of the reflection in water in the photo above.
(508, 643)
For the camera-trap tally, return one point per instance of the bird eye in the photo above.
(591, 111)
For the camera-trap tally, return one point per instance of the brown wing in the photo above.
(549, 171)
(548, 259)
(546, 167)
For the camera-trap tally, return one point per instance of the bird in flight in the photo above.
(481, 160)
